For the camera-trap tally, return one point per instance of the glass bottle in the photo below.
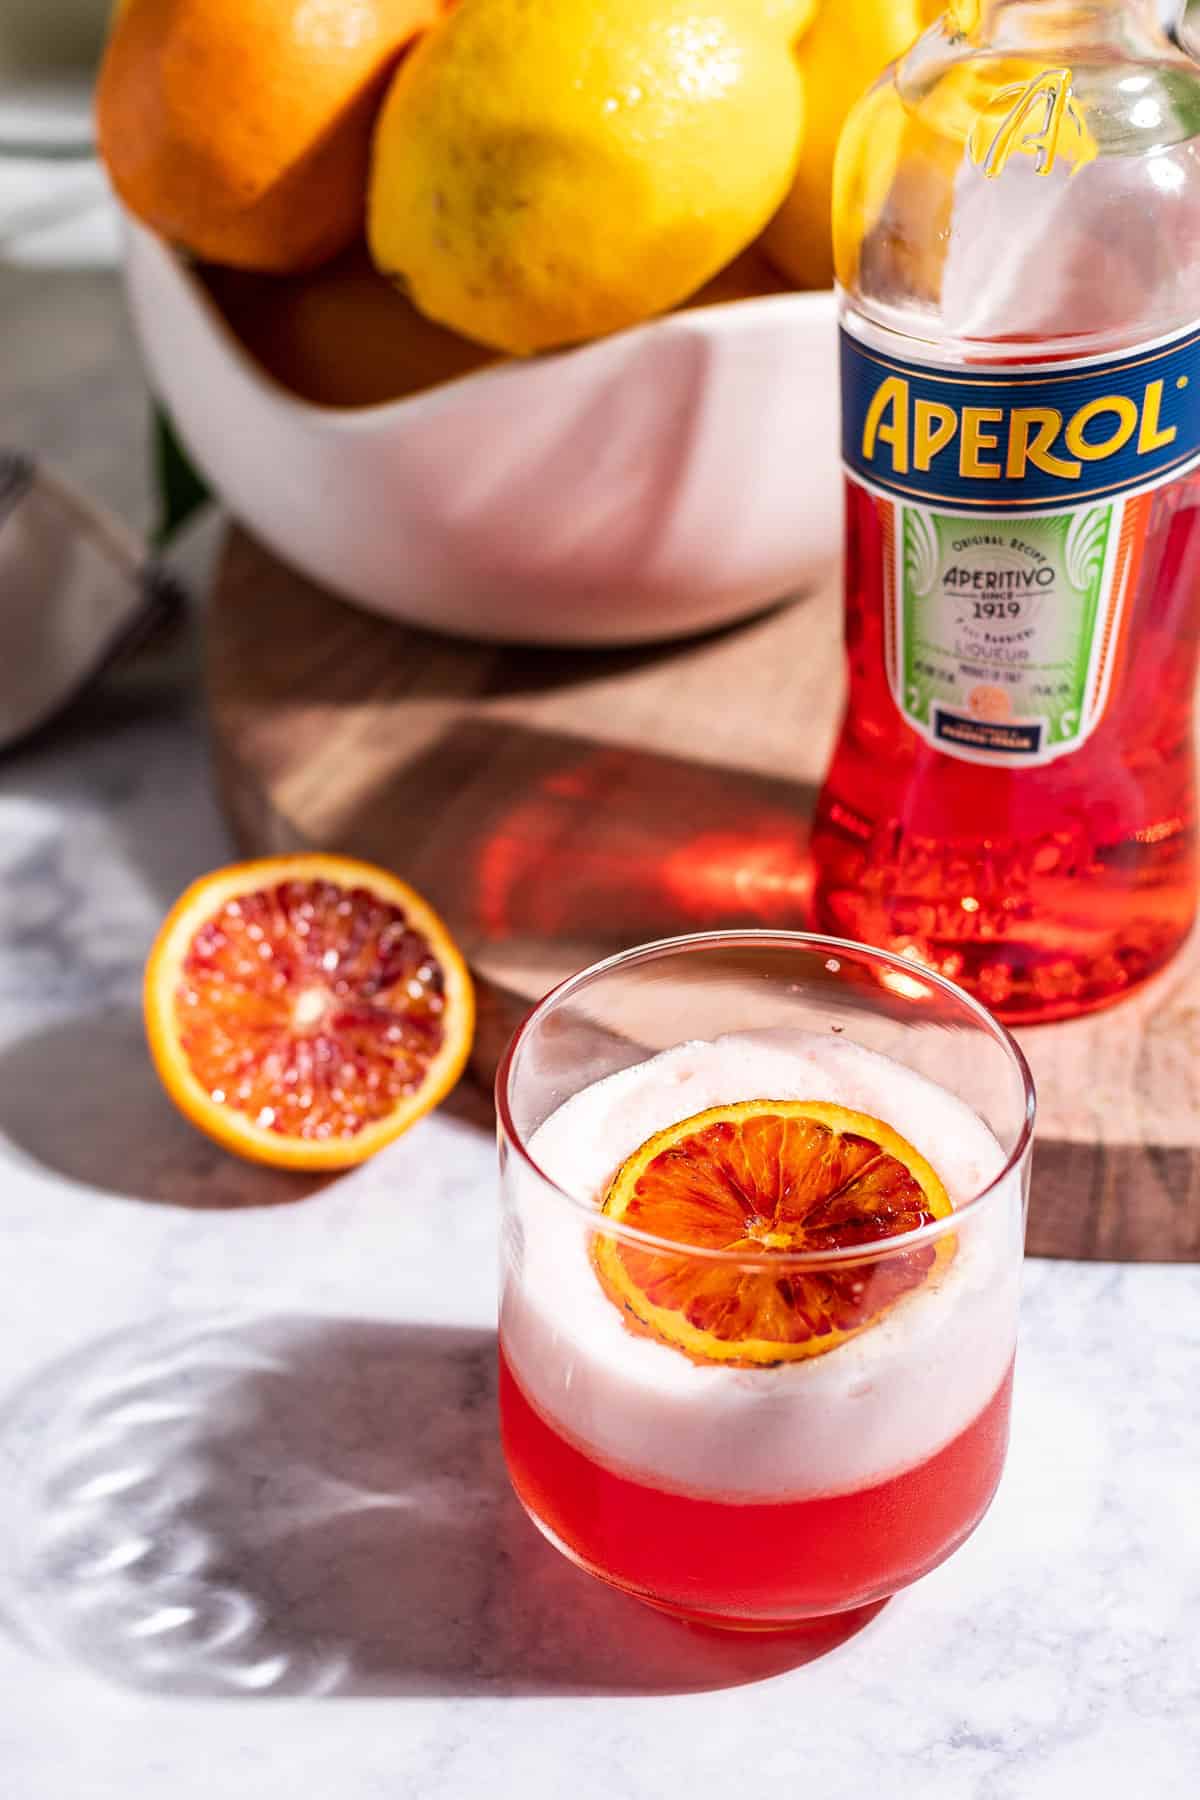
(1011, 800)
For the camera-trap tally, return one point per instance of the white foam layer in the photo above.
(878, 1404)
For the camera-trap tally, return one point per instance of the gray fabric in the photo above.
(76, 589)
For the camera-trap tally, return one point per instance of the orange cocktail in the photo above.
(760, 1285)
(782, 1559)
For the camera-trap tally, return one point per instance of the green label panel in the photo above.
(999, 622)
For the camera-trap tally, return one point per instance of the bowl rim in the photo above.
(740, 316)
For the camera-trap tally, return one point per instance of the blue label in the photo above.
(1021, 438)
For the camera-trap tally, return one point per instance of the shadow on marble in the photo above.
(296, 1505)
(81, 1098)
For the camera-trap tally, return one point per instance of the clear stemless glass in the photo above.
(647, 1438)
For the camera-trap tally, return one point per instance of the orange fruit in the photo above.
(306, 1010)
(241, 129)
(847, 45)
(341, 335)
(344, 335)
(768, 1178)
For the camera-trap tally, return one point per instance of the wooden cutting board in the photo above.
(558, 805)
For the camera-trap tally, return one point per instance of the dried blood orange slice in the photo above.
(305, 1010)
(768, 1178)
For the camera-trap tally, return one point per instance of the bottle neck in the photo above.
(1121, 24)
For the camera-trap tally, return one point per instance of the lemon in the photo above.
(794, 16)
(546, 171)
(847, 45)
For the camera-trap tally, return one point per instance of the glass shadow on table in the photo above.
(307, 1506)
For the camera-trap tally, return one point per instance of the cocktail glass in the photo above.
(758, 1497)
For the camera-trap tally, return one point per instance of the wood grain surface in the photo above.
(559, 805)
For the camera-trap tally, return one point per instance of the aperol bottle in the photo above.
(1012, 797)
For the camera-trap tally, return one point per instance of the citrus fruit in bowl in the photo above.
(658, 482)
(531, 365)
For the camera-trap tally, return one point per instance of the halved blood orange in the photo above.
(305, 1010)
(768, 1178)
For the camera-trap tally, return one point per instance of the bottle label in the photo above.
(1013, 503)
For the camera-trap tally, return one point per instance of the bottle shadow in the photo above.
(228, 1507)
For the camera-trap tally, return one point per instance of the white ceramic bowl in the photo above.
(669, 479)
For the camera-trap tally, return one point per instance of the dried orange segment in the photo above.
(768, 1177)
(306, 1010)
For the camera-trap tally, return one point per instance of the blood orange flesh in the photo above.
(306, 1010)
(766, 1179)
(311, 1008)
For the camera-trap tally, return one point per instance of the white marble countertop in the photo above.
(255, 1536)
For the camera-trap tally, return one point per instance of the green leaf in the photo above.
(181, 489)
